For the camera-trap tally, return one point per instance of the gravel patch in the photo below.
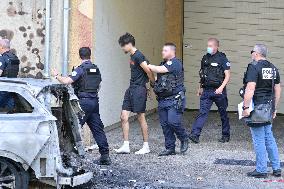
(196, 169)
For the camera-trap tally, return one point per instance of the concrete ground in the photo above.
(196, 169)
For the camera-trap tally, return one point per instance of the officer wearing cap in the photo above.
(9, 67)
(170, 92)
(214, 77)
(261, 88)
(86, 81)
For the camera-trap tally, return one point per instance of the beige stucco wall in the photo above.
(146, 21)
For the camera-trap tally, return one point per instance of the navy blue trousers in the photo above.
(171, 122)
(206, 101)
(92, 117)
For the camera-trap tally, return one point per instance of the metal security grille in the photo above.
(238, 24)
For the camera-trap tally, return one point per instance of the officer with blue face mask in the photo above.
(214, 76)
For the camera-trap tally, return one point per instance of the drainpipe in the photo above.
(47, 38)
(66, 37)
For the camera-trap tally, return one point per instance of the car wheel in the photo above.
(10, 176)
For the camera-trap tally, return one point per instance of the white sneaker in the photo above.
(91, 148)
(124, 149)
(144, 150)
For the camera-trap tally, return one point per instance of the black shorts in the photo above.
(135, 99)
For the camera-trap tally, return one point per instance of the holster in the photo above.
(179, 101)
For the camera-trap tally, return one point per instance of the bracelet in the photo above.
(245, 108)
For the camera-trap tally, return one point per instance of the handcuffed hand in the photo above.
(149, 93)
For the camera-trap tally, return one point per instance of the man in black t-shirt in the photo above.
(136, 95)
(258, 88)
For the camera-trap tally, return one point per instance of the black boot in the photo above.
(277, 173)
(193, 138)
(104, 160)
(167, 153)
(256, 174)
(224, 139)
(184, 146)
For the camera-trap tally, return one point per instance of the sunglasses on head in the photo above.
(252, 51)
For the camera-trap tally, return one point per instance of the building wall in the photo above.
(174, 24)
(81, 28)
(146, 21)
(23, 24)
(239, 25)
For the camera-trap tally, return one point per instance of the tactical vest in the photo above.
(263, 89)
(211, 74)
(89, 81)
(167, 84)
(13, 65)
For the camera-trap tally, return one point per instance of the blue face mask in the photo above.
(209, 50)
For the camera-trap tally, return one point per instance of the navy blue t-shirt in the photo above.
(76, 75)
(174, 66)
(138, 75)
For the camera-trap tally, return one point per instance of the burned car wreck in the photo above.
(38, 133)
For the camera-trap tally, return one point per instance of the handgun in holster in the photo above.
(179, 100)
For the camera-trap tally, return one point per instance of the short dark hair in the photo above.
(126, 39)
(172, 45)
(85, 53)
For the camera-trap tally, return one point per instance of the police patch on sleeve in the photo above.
(228, 64)
(169, 63)
(74, 73)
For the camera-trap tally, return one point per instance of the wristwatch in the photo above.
(245, 108)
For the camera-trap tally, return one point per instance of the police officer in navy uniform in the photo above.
(86, 81)
(262, 84)
(214, 75)
(9, 67)
(170, 92)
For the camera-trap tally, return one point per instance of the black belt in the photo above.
(169, 97)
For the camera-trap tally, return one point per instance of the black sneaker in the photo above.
(224, 139)
(256, 174)
(167, 153)
(277, 173)
(103, 160)
(184, 146)
(193, 138)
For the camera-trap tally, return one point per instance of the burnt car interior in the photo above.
(66, 120)
(16, 104)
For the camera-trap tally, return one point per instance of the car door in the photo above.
(26, 130)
